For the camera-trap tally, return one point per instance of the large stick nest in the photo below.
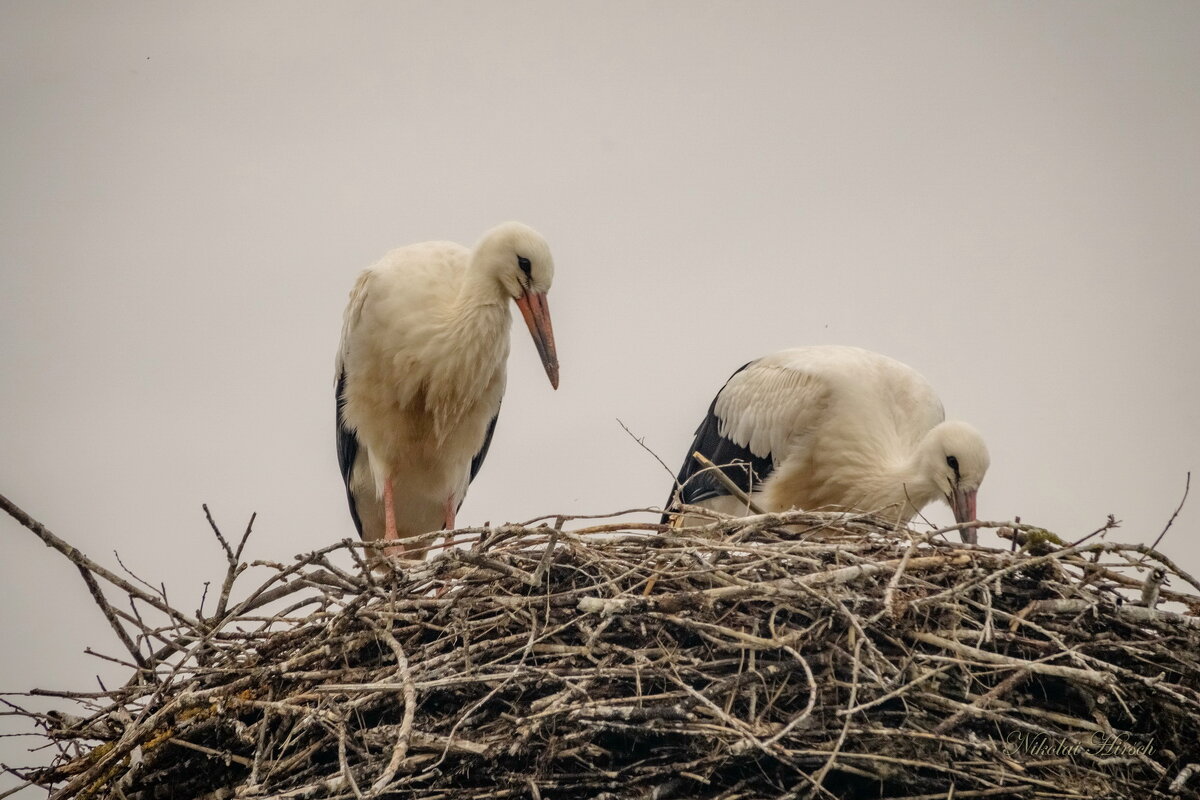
(834, 657)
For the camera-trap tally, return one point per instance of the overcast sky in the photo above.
(1005, 196)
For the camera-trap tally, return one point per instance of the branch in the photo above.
(1186, 486)
(727, 482)
(111, 616)
(83, 562)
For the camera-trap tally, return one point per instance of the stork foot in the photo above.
(404, 553)
(387, 566)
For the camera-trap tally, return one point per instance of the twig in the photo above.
(233, 558)
(110, 615)
(727, 483)
(810, 651)
(642, 443)
(208, 751)
(1004, 687)
(1080, 675)
(410, 703)
(1107, 526)
(855, 665)
(1187, 485)
(82, 561)
(25, 784)
(217, 532)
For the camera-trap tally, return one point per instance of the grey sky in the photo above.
(1005, 196)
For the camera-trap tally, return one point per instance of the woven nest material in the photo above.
(777, 656)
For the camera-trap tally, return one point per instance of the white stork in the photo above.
(421, 372)
(833, 428)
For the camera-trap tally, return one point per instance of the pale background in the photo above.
(1005, 196)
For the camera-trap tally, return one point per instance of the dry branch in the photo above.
(778, 655)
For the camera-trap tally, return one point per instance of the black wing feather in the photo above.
(347, 449)
(477, 461)
(746, 470)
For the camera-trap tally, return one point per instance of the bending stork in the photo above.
(421, 372)
(833, 428)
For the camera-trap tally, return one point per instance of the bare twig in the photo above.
(642, 443)
(727, 483)
(1187, 485)
(111, 615)
(823, 653)
(83, 562)
(1107, 526)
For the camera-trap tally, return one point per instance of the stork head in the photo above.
(520, 261)
(955, 460)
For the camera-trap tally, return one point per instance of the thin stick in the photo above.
(1084, 675)
(110, 615)
(1107, 526)
(80, 560)
(1186, 486)
(642, 443)
(404, 675)
(797, 651)
(727, 483)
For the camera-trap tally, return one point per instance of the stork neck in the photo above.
(481, 288)
(476, 303)
(901, 486)
(477, 322)
(479, 319)
(479, 316)
(911, 489)
(913, 481)
(472, 348)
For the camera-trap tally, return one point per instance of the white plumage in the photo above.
(421, 373)
(834, 428)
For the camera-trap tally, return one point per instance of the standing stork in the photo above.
(421, 372)
(833, 428)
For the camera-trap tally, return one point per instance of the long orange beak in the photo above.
(537, 317)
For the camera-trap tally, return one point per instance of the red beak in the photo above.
(537, 317)
(962, 503)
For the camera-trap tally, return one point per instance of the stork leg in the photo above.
(447, 525)
(389, 511)
(390, 534)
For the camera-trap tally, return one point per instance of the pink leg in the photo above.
(389, 512)
(401, 549)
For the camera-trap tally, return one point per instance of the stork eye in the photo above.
(952, 462)
(525, 265)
